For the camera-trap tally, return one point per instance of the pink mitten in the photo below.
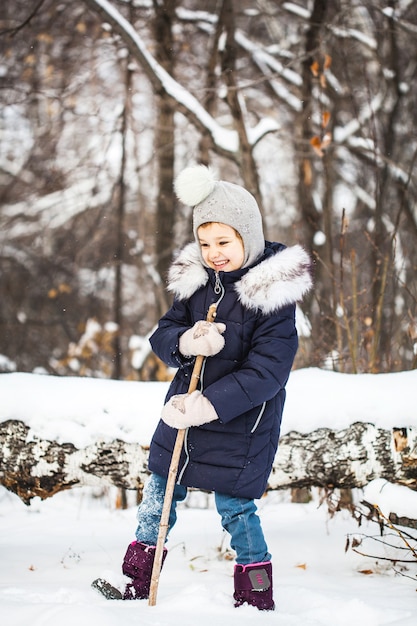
(204, 338)
(188, 409)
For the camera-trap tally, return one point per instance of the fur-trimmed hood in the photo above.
(282, 277)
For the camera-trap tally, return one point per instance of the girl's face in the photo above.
(221, 247)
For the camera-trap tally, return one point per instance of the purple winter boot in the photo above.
(253, 585)
(138, 564)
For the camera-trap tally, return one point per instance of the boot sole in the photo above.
(106, 589)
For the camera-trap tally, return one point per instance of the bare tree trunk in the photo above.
(312, 222)
(229, 73)
(334, 459)
(117, 373)
(210, 97)
(310, 216)
(387, 201)
(165, 139)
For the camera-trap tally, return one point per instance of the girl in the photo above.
(233, 419)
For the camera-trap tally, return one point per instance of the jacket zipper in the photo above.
(218, 285)
(219, 291)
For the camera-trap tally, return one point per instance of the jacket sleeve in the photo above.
(263, 373)
(164, 341)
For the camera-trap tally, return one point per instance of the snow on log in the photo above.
(396, 503)
(346, 458)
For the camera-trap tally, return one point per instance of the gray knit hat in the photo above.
(219, 201)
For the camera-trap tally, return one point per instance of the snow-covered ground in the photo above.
(52, 550)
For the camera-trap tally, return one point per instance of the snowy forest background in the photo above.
(309, 104)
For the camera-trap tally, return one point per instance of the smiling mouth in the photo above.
(219, 264)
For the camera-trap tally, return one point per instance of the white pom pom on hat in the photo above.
(194, 184)
(220, 201)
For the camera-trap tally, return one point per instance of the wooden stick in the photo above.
(172, 476)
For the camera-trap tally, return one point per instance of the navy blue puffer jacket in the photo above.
(246, 381)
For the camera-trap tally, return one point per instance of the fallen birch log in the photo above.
(347, 458)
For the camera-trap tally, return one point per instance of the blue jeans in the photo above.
(238, 518)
